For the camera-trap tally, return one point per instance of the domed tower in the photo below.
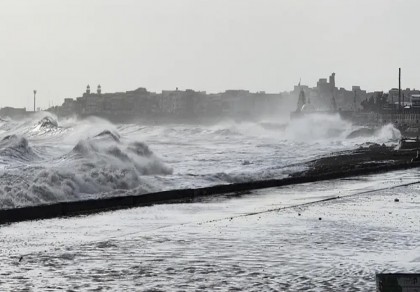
(88, 89)
(99, 90)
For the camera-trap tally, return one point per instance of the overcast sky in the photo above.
(58, 46)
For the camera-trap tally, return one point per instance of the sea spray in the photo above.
(317, 127)
(91, 158)
(95, 165)
(388, 133)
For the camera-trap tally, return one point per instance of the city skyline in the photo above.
(58, 47)
(93, 89)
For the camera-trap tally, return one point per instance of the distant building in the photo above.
(326, 96)
(12, 112)
(415, 101)
(191, 104)
(332, 80)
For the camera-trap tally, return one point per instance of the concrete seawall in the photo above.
(75, 208)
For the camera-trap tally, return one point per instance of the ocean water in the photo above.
(45, 160)
(279, 239)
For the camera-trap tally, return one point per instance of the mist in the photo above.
(48, 159)
(58, 47)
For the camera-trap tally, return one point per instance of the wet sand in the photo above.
(267, 240)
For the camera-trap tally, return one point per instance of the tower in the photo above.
(34, 100)
(399, 88)
(301, 100)
(88, 89)
(99, 90)
(332, 80)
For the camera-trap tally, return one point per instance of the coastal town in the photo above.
(191, 105)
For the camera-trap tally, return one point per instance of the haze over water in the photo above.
(43, 160)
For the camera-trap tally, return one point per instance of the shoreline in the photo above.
(374, 155)
(363, 161)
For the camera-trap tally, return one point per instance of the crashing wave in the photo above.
(388, 133)
(48, 122)
(109, 134)
(140, 149)
(16, 148)
(383, 134)
(120, 162)
(94, 167)
(317, 127)
(362, 132)
(83, 147)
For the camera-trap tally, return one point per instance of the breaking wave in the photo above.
(95, 166)
(317, 127)
(105, 150)
(48, 122)
(327, 128)
(384, 134)
(44, 159)
(388, 132)
(16, 148)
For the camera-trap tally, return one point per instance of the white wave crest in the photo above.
(317, 127)
(16, 148)
(388, 133)
(95, 166)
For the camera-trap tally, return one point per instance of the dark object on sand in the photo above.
(396, 200)
(417, 158)
(409, 143)
(397, 282)
(319, 218)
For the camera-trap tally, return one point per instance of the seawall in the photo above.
(75, 208)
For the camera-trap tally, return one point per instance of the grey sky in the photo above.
(58, 47)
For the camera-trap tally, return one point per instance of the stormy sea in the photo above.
(287, 238)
